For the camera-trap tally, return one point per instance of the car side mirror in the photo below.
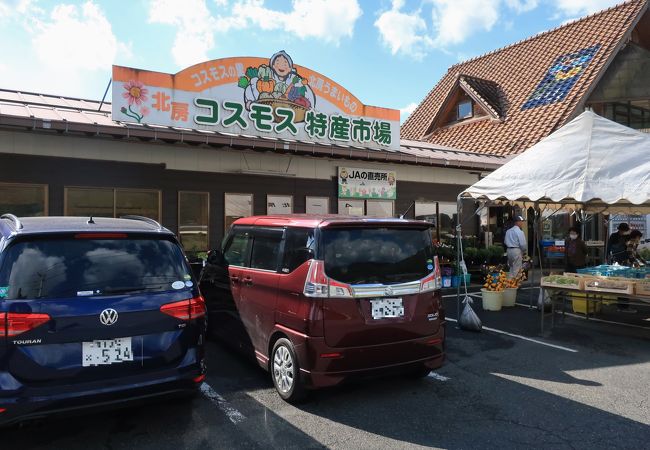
(216, 258)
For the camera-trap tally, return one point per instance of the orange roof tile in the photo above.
(518, 70)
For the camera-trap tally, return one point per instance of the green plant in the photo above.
(495, 253)
(471, 254)
(645, 253)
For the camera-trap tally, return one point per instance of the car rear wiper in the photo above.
(130, 289)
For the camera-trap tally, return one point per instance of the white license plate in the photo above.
(104, 352)
(386, 308)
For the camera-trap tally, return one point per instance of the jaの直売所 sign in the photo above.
(367, 183)
(254, 96)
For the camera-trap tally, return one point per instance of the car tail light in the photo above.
(433, 281)
(13, 324)
(189, 309)
(318, 284)
(2, 410)
(199, 379)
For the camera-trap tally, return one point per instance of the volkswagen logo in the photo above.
(108, 316)
(388, 291)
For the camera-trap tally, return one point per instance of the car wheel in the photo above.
(285, 372)
(420, 372)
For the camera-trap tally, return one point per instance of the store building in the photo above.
(506, 101)
(190, 151)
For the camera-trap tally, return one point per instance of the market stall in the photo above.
(591, 165)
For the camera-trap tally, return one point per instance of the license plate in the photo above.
(387, 308)
(104, 352)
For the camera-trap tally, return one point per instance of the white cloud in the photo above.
(583, 7)
(194, 28)
(455, 20)
(67, 50)
(76, 38)
(522, 6)
(327, 20)
(407, 110)
(404, 32)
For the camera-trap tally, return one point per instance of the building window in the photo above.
(631, 114)
(137, 202)
(379, 208)
(427, 211)
(464, 110)
(448, 214)
(109, 202)
(23, 200)
(317, 205)
(193, 220)
(237, 206)
(279, 204)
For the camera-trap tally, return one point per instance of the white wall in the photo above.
(203, 159)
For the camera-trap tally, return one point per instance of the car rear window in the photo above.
(68, 267)
(377, 255)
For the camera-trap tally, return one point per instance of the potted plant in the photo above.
(492, 292)
(511, 286)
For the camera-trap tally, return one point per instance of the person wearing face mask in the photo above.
(617, 244)
(575, 252)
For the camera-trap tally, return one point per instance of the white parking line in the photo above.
(212, 395)
(518, 336)
(438, 377)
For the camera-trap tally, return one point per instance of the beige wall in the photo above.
(203, 159)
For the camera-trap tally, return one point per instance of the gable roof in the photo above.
(531, 107)
(485, 92)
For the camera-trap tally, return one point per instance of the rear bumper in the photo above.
(42, 402)
(353, 362)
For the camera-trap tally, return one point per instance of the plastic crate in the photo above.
(582, 306)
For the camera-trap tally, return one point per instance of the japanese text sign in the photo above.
(253, 96)
(367, 183)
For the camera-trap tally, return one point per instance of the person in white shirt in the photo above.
(517, 246)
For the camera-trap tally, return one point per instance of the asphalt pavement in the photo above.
(581, 385)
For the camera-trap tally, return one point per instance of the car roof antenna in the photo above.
(91, 221)
(401, 216)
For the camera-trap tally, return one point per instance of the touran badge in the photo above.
(108, 316)
(388, 291)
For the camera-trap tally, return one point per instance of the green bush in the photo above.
(645, 253)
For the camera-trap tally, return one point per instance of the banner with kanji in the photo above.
(253, 96)
(367, 183)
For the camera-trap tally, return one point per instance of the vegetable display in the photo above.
(567, 282)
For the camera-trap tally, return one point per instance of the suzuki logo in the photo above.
(388, 290)
(108, 316)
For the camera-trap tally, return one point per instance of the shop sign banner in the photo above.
(253, 96)
(367, 183)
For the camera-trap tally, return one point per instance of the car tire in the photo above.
(420, 372)
(285, 372)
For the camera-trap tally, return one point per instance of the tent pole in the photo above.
(532, 266)
(459, 227)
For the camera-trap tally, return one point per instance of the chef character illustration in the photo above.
(279, 80)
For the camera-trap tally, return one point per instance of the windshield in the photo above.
(377, 255)
(55, 268)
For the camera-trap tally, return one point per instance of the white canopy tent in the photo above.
(590, 165)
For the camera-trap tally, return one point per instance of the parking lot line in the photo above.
(233, 414)
(518, 336)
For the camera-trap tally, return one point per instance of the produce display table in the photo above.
(561, 295)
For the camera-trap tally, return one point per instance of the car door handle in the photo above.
(234, 279)
(248, 281)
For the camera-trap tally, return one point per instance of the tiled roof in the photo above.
(520, 70)
(50, 113)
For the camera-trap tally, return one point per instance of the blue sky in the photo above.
(387, 52)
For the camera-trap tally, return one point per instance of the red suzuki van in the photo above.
(319, 299)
